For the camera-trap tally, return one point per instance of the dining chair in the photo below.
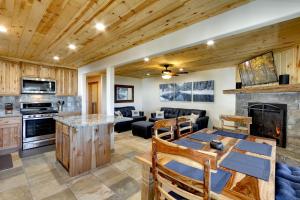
(164, 129)
(170, 185)
(236, 123)
(184, 126)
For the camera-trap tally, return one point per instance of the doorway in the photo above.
(93, 100)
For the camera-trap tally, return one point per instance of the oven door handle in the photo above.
(25, 119)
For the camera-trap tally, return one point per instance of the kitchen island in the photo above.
(83, 142)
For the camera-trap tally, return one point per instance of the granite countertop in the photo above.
(14, 114)
(89, 120)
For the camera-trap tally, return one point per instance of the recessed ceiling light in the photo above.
(148, 74)
(72, 46)
(181, 69)
(55, 58)
(146, 59)
(3, 29)
(210, 42)
(100, 27)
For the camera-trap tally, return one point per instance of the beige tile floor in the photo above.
(40, 177)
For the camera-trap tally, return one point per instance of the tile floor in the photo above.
(40, 177)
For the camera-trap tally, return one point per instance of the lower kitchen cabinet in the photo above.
(10, 134)
(62, 144)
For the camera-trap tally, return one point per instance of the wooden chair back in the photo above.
(186, 129)
(235, 123)
(166, 180)
(168, 124)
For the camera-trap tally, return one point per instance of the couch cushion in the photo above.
(170, 112)
(126, 111)
(183, 112)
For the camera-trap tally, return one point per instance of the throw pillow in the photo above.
(135, 113)
(159, 115)
(118, 114)
(193, 118)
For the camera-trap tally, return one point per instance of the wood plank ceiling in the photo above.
(226, 52)
(40, 29)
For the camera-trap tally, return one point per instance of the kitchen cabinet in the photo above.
(58, 141)
(10, 134)
(66, 82)
(10, 74)
(47, 72)
(30, 70)
(62, 144)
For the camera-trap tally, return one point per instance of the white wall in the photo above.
(137, 83)
(122, 80)
(224, 104)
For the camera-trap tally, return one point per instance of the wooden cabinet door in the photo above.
(59, 141)
(47, 72)
(66, 150)
(74, 82)
(67, 82)
(10, 75)
(10, 133)
(59, 74)
(30, 70)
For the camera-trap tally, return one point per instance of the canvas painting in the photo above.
(259, 70)
(167, 92)
(183, 91)
(122, 93)
(203, 91)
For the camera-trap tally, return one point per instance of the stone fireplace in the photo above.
(291, 153)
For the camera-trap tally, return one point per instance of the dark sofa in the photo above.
(201, 122)
(126, 112)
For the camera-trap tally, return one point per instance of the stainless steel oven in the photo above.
(38, 86)
(38, 125)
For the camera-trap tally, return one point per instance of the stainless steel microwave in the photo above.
(38, 86)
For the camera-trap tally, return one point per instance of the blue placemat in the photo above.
(218, 179)
(250, 165)
(188, 143)
(231, 134)
(205, 137)
(254, 147)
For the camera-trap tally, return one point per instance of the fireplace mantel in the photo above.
(265, 89)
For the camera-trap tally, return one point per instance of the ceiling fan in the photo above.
(167, 74)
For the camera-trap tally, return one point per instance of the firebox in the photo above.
(268, 120)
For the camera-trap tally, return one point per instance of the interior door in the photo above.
(93, 102)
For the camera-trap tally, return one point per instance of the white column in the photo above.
(82, 91)
(110, 82)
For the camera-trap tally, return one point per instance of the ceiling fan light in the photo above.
(166, 76)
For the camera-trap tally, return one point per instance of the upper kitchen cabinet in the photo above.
(30, 70)
(66, 82)
(47, 72)
(37, 71)
(10, 74)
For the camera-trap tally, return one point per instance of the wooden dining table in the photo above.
(239, 186)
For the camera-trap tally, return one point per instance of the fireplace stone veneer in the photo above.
(290, 154)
